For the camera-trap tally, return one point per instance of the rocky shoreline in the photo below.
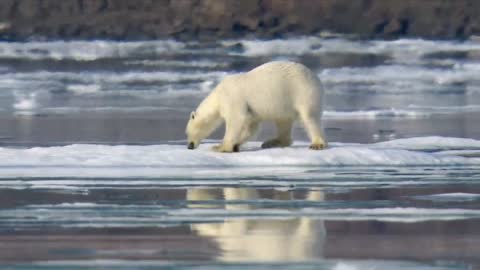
(214, 19)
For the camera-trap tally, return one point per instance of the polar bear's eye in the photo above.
(192, 115)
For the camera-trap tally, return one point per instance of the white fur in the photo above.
(278, 91)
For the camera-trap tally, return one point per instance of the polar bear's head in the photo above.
(194, 132)
(199, 127)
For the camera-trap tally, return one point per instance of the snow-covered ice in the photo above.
(176, 160)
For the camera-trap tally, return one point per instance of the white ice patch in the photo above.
(178, 64)
(433, 144)
(397, 76)
(462, 153)
(177, 160)
(407, 112)
(84, 88)
(25, 102)
(109, 77)
(450, 197)
(85, 50)
(253, 48)
(112, 109)
(375, 114)
(117, 215)
(401, 51)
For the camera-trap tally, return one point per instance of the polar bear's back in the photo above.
(275, 89)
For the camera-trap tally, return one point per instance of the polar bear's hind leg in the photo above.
(311, 122)
(284, 137)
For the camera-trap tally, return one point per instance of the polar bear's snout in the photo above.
(191, 146)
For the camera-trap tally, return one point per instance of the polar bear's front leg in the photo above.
(232, 139)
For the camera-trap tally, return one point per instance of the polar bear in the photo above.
(279, 91)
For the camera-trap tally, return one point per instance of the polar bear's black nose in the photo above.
(191, 146)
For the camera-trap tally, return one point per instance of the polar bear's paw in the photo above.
(317, 146)
(222, 149)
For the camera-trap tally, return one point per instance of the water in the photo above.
(95, 174)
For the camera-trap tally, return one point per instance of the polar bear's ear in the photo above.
(192, 115)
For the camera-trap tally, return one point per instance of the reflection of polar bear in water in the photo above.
(277, 91)
(295, 239)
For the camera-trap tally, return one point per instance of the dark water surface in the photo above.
(157, 128)
(425, 219)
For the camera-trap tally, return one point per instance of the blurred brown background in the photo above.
(211, 19)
